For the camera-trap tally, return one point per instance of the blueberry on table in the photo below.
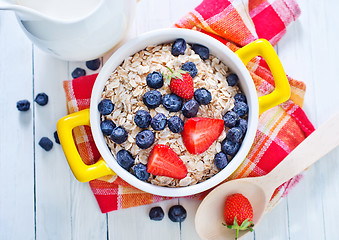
(140, 171)
(107, 127)
(179, 47)
(93, 64)
(172, 102)
(125, 159)
(56, 137)
(240, 108)
(159, 122)
(177, 213)
(220, 160)
(119, 135)
(152, 99)
(144, 139)
(46, 143)
(232, 79)
(230, 119)
(240, 97)
(230, 148)
(156, 214)
(242, 125)
(78, 72)
(191, 68)
(201, 50)
(175, 124)
(142, 119)
(155, 80)
(202, 96)
(41, 99)
(105, 106)
(23, 105)
(190, 108)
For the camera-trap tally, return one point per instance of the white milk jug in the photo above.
(73, 30)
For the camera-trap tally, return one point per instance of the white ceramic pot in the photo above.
(235, 61)
(79, 38)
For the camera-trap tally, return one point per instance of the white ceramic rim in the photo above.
(23, 9)
(217, 49)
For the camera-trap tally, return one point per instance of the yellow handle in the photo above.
(282, 91)
(81, 171)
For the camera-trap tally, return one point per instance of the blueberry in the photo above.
(190, 68)
(41, 99)
(239, 97)
(177, 213)
(234, 134)
(142, 119)
(119, 135)
(125, 159)
(140, 171)
(155, 80)
(175, 124)
(159, 122)
(240, 108)
(56, 137)
(93, 64)
(152, 99)
(230, 148)
(230, 119)
(179, 47)
(190, 108)
(23, 105)
(232, 79)
(105, 106)
(46, 143)
(201, 50)
(242, 125)
(145, 139)
(156, 214)
(78, 72)
(220, 160)
(172, 102)
(202, 96)
(107, 127)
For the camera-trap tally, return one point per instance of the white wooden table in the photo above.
(40, 198)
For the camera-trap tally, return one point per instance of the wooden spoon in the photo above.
(258, 190)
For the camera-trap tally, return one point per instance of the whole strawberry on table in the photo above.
(238, 213)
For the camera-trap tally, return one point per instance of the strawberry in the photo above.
(199, 133)
(181, 83)
(238, 213)
(163, 161)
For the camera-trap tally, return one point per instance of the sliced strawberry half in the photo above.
(163, 161)
(200, 133)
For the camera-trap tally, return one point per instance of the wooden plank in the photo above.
(327, 104)
(134, 223)
(311, 60)
(16, 138)
(187, 227)
(53, 190)
(87, 220)
(274, 224)
(329, 191)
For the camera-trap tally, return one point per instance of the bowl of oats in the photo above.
(173, 112)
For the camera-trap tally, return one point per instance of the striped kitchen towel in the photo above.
(280, 129)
